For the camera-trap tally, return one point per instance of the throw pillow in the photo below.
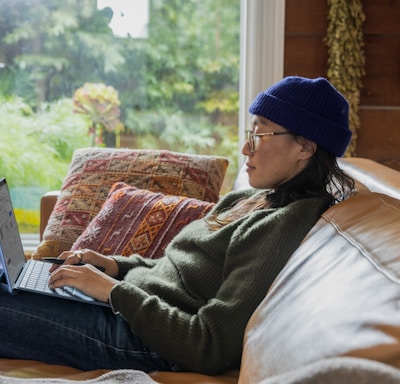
(93, 171)
(139, 221)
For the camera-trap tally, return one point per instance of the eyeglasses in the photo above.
(253, 138)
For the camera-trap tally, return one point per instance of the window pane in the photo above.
(173, 63)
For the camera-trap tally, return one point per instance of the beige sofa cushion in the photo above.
(339, 294)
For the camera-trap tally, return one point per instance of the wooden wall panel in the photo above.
(379, 138)
(382, 17)
(306, 55)
(379, 133)
(381, 85)
(305, 51)
(303, 17)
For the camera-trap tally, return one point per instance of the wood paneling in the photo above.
(306, 55)
(304, 17)
(379, 137)
(381, 85)
(305, 28)
(382, 17)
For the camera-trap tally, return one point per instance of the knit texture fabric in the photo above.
(201, 294)
(311, 108)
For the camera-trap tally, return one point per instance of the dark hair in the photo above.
(321, 177)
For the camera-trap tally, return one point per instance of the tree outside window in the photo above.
(177, 81)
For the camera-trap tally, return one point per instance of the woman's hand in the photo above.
(86, 278)
(81, 270)
(86, 256)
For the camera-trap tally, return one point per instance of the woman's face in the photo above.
(277, 158)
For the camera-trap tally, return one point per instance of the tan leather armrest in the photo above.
(373, 175)
(47, 203)
(230, 377)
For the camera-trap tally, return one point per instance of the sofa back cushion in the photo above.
(339, 294)
(372, 176)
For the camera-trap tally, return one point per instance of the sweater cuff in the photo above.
(115, 312)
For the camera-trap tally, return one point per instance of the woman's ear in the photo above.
(308, 148)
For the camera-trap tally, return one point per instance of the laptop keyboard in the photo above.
(37, 276)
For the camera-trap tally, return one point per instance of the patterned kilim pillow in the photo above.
(93, 171)
(139, 221)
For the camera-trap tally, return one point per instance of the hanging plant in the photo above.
(346, 58)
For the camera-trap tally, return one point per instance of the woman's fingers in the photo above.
(86, 278)
(66, 275)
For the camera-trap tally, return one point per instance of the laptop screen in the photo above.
(11, 251)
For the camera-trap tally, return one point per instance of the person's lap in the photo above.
(59, 331)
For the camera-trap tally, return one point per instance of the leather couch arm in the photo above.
(47, 203)
(373, 175)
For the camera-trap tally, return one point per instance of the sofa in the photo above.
(331, 316)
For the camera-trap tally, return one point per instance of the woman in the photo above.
(188, 310)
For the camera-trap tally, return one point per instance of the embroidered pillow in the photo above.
(139, 221)
(93, 171)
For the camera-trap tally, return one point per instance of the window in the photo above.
(175, 68)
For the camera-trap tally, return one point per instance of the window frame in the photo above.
(262, 34)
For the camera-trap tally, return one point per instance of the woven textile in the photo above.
(139, 221)
(93, 171)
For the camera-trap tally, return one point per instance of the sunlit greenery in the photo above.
(178, 88)
(35, 146)
(35, 149)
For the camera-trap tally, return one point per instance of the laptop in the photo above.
(19, 274)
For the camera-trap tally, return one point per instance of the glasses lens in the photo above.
(250, 140)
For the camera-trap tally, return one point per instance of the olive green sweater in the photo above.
(192, 305)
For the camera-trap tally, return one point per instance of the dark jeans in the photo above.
(65, 332)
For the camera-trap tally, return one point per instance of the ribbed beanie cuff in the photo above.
(311, 108)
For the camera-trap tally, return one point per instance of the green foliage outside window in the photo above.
(178, 88)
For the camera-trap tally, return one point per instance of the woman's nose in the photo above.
(246, 149)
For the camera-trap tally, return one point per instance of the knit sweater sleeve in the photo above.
(210, 340)
(125, 264)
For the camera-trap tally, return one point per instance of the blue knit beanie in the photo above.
(311, 108)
